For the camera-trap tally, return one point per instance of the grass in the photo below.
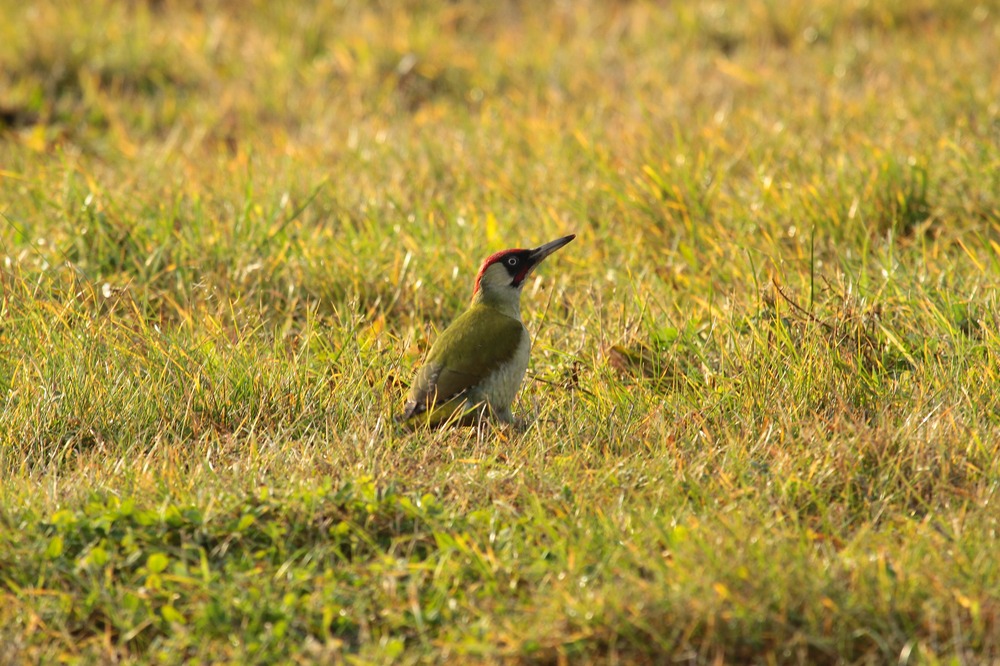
(761, 421)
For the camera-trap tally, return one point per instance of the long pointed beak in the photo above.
(539, 253)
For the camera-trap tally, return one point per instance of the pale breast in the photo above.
(500, 388)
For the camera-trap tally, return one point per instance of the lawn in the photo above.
(761, 423)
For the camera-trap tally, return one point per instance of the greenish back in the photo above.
(479, 342)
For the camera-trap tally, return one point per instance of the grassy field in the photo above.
(762, 417)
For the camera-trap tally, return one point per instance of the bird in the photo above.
(475, 367)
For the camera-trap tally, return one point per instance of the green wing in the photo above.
(477, 343)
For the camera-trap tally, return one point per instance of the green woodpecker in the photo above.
(476, 366)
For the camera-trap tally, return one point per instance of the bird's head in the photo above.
(503, 273)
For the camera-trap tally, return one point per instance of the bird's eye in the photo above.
(512, 261)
